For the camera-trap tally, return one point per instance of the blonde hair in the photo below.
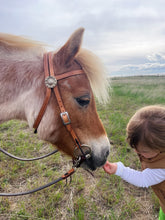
(96, 74)
(147, 127)
(19, 42)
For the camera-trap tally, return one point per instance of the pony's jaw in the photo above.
(100, 149)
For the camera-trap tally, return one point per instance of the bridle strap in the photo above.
(49, 72)
(64, 115)
(69, 74)
(47, 97)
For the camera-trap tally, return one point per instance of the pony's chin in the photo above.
(93, 164)
(86, 166)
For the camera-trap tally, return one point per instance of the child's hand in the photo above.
(110, 168)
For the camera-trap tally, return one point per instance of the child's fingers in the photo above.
(106, 167)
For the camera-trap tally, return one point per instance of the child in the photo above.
(146, 134)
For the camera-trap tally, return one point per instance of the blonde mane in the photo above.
(19, 42)
(90, 63)
(96, 74)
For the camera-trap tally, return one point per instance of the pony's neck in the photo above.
(21, 85)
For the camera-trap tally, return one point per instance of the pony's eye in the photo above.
(83, 101)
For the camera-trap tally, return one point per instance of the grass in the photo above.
(103, 197)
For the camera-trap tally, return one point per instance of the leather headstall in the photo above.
(51, 82)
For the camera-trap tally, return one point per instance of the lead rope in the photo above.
(27, 159)
(65, 176)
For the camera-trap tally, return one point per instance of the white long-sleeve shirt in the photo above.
(145, 178)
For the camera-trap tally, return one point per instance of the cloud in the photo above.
(156, 58)
(155, 64)
(127, 35)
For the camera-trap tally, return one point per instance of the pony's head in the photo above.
(78, 98)
(22, 64)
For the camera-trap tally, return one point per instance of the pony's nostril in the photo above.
(107, 153)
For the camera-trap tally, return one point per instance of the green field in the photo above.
(87, 197)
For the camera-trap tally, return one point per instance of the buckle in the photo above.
(86, 152)
(65, 118)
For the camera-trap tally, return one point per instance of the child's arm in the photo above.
(145, 178)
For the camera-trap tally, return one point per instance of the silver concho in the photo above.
(50, 82)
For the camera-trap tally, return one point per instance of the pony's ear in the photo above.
(71, 47)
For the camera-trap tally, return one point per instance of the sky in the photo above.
(128, 35)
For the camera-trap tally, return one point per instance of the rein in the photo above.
(51, 82)
(27, 159)
(65, 176)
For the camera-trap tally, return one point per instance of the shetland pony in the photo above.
(22, 91)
